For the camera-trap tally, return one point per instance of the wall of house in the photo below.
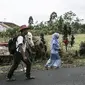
(2, 28)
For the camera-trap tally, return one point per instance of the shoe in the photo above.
(56, 67)
(10, 79)
(51, 67)
(46, 67)
(29, 78)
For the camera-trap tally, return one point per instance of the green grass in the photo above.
(40, 65)
(78, 39)
(4, 39)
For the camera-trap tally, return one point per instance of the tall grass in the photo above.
(78, 39)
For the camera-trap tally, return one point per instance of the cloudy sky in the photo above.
(18, 11)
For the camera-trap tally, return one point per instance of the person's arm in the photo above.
(56, 45)
(22, 51)
(20, 48)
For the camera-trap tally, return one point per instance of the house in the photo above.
(6, 25)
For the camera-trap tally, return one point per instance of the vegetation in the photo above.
(66, 24)
(55, 24)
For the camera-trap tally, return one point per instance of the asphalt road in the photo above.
(62, 76)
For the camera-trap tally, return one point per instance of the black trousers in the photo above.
(17, 59)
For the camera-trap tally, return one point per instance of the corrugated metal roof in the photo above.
(9, 24)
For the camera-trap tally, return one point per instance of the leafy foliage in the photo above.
(9, 32)
(82, 48)
(30, 21)
(55, 24)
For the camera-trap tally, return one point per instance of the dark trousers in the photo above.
(17, 59)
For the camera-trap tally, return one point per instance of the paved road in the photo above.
(62, 76)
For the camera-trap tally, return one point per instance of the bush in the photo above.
(82, 48)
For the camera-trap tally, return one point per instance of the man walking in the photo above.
(20, 54)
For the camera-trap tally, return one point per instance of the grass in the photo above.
(78, 39)
(76, 62)
(4, 39)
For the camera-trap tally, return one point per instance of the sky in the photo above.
(18, 11)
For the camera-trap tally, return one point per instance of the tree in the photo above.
(69, 30)
(51, 23)
(30, 21)
(77, 25)
(83, 28)
(60, 24)
(12, 32)
(69, 16)
(65, 32)
(53, 16)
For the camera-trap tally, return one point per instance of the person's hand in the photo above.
(25, 58)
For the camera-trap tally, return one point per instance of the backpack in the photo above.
(12, 45)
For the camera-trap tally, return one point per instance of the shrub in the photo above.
(82, 48)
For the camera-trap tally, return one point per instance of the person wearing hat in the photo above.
(20, 54)
(54, 60)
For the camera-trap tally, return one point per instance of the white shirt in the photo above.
(20, 40)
